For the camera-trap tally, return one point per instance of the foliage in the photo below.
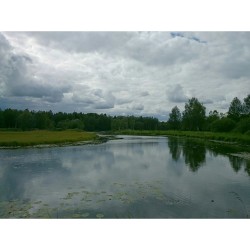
(71, 124)
(235, 109)
(194, 115)
(223, 125)
(243, 125)
(246, 105)
(174, 120)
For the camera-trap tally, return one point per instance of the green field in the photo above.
(226, 137)
(41, 137)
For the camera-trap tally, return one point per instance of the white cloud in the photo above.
(123, 72)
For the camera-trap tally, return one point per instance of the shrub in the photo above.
(243, 125)
(247, 133)
(223, 125)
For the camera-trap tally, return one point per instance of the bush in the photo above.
(223, 125)
(243, 125)
(247, 133)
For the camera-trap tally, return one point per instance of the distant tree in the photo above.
(224, 124)
(235, 109)
(1, 119)
(174, 120)
(246, 105)
(212, 116)
(194, 115)
(42, 120)
(243, 125)
(26, 120)
(138, 125)
(10, 118)
(71, 124)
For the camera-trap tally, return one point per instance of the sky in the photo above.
(123, 73)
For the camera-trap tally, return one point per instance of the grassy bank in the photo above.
(227, 137)
(41, 137)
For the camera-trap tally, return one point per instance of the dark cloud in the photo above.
(138, 107)
(182, 34)
(206, 101)
(144, 93)
(175, 34)
(18, 78)
(176, 94)
(122, 72)
(106, 105)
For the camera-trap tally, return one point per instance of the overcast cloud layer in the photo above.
(139, 73)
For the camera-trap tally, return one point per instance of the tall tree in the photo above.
(235, 109)
(174, 120)
(246, 105)
(194, 115)
(26, 120)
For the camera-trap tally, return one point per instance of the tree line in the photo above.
(28, 120)
(192, 118)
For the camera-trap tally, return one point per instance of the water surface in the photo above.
(133, 177)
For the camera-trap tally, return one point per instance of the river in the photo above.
(132, 177)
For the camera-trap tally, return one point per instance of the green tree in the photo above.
(235, 109)
(194, 115)
(224, 124)
(10, 118)
(246, 105)
(212, 116)
(1, 119)
(42, 120)
(26, 120)
(174, 120)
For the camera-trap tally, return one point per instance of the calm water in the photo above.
(134, 177)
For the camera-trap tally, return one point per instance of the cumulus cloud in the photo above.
(18, 76)
(144, 73)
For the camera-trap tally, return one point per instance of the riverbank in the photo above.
(231, 138)
(45, 138)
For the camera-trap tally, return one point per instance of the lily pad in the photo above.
(76, 216)
(85, 215)
(99, 216)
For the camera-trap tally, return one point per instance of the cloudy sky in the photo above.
(139, 73)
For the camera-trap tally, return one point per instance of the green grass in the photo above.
(40, 137)
(227, 137)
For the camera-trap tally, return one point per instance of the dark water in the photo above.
(136, 177)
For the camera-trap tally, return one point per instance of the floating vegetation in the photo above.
(76, 216)
(99, 216)
(70, 195)
(99, 201)
(119, 184)
(37, 202)
(85, 215)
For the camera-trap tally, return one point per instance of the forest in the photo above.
(192, 118)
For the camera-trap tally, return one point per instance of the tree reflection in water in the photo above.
(247, 167)
(236, 162)
(175, 148)
(194, 153)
